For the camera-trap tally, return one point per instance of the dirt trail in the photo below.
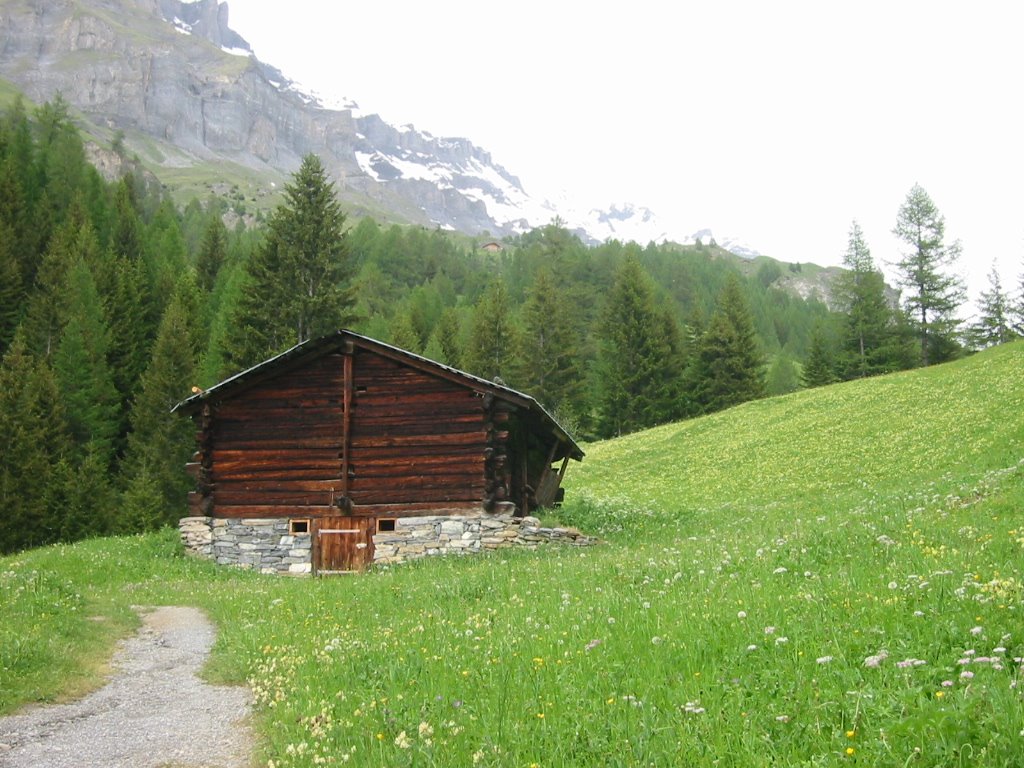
(154, 712)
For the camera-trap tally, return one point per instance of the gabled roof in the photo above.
(342, 339)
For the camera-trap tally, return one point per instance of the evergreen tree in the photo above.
(83, 377)
(819, 368)
(861, 293)
(81, 491)
(728, 366)
(212, 252)
(993, 325)
(61, 159)
(446, 338)
(45, 311)
(492, 336)
(674, 403)
(31, 421)
(783, 376)
(299, 279)
(161, 443)
(16, 230)
(1017, 309)
(634, 356)
(934, 294)
(402, 334)
(548, 348)
(12, 293)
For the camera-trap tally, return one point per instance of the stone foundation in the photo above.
(416, 537)
(265, 544)
(260, 544)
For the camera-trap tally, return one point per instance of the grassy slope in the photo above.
(814, 447)
(758, 558)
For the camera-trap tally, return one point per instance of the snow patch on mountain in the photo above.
(407, 159)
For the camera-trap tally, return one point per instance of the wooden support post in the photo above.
(547, 465)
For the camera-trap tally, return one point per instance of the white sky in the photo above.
(773, 122)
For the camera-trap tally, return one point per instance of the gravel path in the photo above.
(155, 711)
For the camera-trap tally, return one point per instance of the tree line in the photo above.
(115, 302)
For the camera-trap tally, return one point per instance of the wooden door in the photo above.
(343, 544)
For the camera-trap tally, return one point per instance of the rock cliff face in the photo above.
(174, 75)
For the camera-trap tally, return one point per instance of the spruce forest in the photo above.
(115, 302)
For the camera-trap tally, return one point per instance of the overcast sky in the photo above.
(777, 123)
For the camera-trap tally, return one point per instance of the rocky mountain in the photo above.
(183, 91)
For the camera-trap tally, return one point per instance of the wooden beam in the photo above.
(346, 430)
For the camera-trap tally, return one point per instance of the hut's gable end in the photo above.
(276, 448)
(415, 437)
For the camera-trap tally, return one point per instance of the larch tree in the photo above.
(446, 338)
(83, 374)
(160, 442)
(934, 295)
(548, 347)
(299, 279)
(492, 335)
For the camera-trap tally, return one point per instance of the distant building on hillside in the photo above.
(344, 451)
(492, 246)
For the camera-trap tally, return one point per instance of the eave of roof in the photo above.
(312, 348)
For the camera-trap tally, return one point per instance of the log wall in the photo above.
(287, 447)
(415, 438)
(275, 449)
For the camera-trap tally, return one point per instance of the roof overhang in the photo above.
(346, 342)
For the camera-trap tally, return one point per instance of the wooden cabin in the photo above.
(343, 449)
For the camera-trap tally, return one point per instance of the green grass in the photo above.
(833, 577)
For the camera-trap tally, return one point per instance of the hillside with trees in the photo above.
(115, 303)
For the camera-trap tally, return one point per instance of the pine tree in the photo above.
(548, 348)
(861, 293)
(299, 279)
(819, 368)
(993, 325)
(634, 356)
(161, 443)
(492, 335)
(934, 295)
(728, 366)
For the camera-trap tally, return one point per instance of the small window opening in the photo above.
(360, 389)
(386, 525)
(298, 526)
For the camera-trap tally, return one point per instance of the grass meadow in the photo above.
(829, 578)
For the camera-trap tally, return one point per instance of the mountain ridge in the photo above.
(184, 89)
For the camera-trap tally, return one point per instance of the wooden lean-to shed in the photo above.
(344, 450)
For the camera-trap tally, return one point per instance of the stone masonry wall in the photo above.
(261, 544)
(415, 537)
(265, 544)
